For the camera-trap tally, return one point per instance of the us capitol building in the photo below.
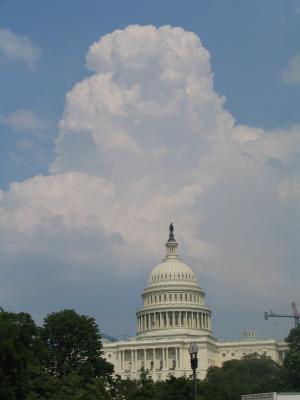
(174, 314)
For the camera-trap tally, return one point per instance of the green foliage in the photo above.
(292, 360)
(174, 389)
(252, 374)
(73, 345)
(144, 388)
(17, 354)
(61, 361)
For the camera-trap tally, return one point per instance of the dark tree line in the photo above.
(63, 360)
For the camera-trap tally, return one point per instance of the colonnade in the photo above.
(167, 319)
(152, 359)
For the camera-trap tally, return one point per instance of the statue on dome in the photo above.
(171, 234)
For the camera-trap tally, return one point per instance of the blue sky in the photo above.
(238, 221)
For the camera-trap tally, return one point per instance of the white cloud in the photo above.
(292, 74)
(18, 47)
(289, 189)
(25, 121)
(145, 140)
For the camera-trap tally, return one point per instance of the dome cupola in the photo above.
(172, 269)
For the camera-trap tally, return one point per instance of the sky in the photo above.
(117, 118)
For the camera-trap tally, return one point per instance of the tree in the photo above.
(292, 360)
(18, 348)
(74, 345)
(144, 389)
(174, 389)
(252, 374)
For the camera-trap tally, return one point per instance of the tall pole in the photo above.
(193, 350)
(195, 384)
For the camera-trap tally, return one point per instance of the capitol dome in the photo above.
(171, 270)
(173, 303)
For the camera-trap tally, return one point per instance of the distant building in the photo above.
(272, 396)
(175, 313)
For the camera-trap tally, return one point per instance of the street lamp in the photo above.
(193, 350)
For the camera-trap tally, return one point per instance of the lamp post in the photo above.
(193, 350)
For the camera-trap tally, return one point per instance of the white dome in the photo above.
(173, 303)
(170, 270)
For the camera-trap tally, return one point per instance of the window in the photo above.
(175, 297)
(170, 297)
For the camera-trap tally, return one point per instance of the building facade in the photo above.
(174, 314)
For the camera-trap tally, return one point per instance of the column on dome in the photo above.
(173, 319)
(163, 358)
(160, 320)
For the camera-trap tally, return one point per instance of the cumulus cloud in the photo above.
(145, 140)
(18, 47)
(292, 74)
